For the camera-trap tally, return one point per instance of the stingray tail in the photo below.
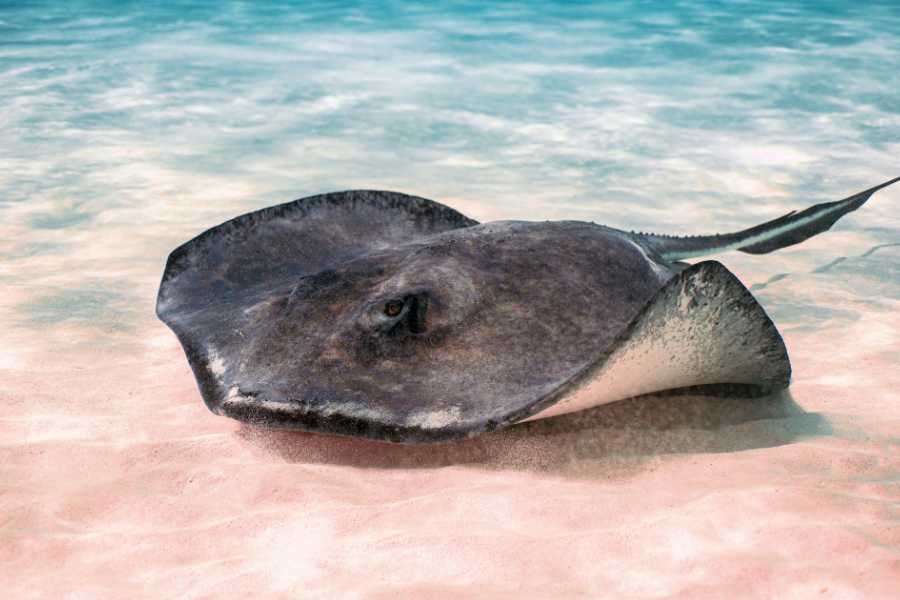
(788, 230)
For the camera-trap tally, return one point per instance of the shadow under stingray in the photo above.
(621, 434)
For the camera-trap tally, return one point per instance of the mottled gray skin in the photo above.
(283, 313)
(284, 316)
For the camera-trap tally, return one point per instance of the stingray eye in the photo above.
(392, 308)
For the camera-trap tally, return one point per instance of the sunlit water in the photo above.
(128, 129)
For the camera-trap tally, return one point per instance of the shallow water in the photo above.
(128, 129)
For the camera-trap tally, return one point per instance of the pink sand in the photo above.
(118, 483)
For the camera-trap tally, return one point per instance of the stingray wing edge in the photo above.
(702, 328)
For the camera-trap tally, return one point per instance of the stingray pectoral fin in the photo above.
(287, 242)
(784, 231)
(702, 328)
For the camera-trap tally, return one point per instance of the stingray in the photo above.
(387, 316)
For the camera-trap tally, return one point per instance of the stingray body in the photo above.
(393, 317)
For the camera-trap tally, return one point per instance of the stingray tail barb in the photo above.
(784, 231)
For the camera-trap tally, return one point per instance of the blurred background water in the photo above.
(128, 127)
(524, 109)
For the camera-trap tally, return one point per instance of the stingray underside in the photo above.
(703, 329)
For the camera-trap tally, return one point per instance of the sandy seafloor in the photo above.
(126, 130)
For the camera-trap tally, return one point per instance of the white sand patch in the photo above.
(165, 341)
(10, 359)
(849, 377)
(772, 155)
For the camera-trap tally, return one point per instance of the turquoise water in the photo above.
(569, 109)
